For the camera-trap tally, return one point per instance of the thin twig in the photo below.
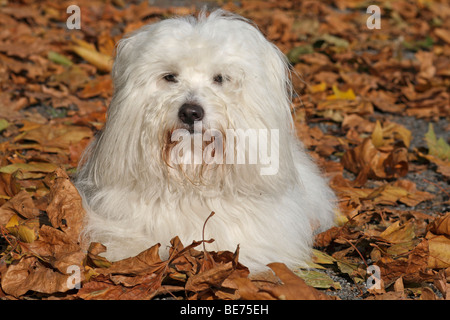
(206, 253)
(364, 260)
(436, 185)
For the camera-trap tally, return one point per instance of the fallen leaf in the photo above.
(21, 203)
(30, 275)
(41, 167)
(437, 147)
(442, 34)
(439, 247)
(65, 209)
(147, 261)
(317, 279)
(213, 277)
(55, 137)
(24, 230)
(4, 124)
(428, 294)
(249, 291)
(100, 60)
(59, 58)
(441, 225)
(377, 135)
(397, 233)
(293, 288)
(341, 95)
(367, 162)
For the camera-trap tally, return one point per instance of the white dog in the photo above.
(189, 81)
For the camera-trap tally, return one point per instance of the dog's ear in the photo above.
(123, 57)
(127, 51)
(278, 66)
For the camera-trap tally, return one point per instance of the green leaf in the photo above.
(334, 41)
(4, 124)
(322, 258)
(317, 279)
(427, 44)
(437, 147)
(29, 167)
(294, 54)
(59, 58)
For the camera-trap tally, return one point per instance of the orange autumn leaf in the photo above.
(368, 162)
(441, 225)
(55, 137)
(439, 247)
(100, 60)
(293, 287)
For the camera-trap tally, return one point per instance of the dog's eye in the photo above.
(218, 79)
(170, 77)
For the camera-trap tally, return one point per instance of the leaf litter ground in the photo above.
(372, 107)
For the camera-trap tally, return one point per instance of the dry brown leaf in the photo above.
(391, 295)
(412, 268)
(368, 162)
(399, 286)
(213, 277)
(441, 225)
(101, 289)
(427, 69)
(22, 203)
(54, 137)
(24, 230)
(101, 86)
(249, 291)
(443, 34)
(395, 164)
(386, 101)
(354, 123)
(30, 274)
(324, 238)
(100, 60)
(439, 247)
(292, 287)
(65, 209)
(145, 262)
(428, 294)
(397, 233)
(442, 285)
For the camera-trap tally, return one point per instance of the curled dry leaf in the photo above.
(412, 268)
(292, 287)
(24, 230)
(368, 162)
(213, 277)
(30, 274)
(439, 248)
(22, 204)
(65, 209)
(441, 225)
(147, 261)
(397, 233)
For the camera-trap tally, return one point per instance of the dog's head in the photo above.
(189, 76)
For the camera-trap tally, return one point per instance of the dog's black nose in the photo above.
(189, 113)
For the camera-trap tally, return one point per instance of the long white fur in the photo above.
(135, 200)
